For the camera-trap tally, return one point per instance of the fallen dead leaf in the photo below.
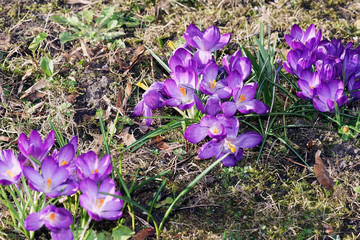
(321, 174)
(127, 137)
(71, 98)
(37, 86)
(35, 96)
(126, 97)
(78, 2)
(86, 51)
(33, 108)
(158, 141)
(328, 229)
(143, 234)
(4, 41)
(27, 74)
(4, 139)
(138, 52)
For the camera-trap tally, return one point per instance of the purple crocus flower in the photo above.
(330, 68)
(244, 101)
(209, 40)
(214, 127)
(237, 63)
(351, 64)
(57, 220)
(232, 144)
(89, 166)
(34, 147)
(299, 60)
(300, 40)
(181, 89)
(354, 88)
(66, 157)
(98, 205)
(327, 94)
(10, 168)
(183, 58)
(308, 83)
(333, 48)
(153, 98)
(210, 86)
(52, 181)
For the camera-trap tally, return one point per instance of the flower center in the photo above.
(232, 148)
(63, 162)
(213, 84)
(99, 202)
(311, 87)
(183, 91)
(242, 97)
(94, 171)
(215, 130)
(49, 182)
(10, 173)
(52, 217)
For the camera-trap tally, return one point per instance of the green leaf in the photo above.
(66, 37)
(122, 233)
(106, 15)
(59, 19)
(37, 40)
(75, 22)
(357, 189)
(47, 66)
(149, 18)
(112, 24)
(87, 17)
(169, 200)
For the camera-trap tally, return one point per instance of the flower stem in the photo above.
(85, 228)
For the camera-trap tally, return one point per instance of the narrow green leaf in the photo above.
(37, 40)
(87, 16)
(59, 19)
(66, 37)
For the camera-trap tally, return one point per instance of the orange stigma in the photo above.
(216, 131)
(94, 171)
(183, 91)
(311, 87)
(99, 202)
(52, 216)
(242, 97)
(49, 182)
(213, 84)
(63, 162)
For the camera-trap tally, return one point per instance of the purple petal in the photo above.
(191, 32)
(195, 133)
(249, 140)
(66, 155)
(211, 37)
(105, 166)
(224, 40)
(62, 234)
(210, 149)
(139, 108)
(228, 108)
(111, 215)
(34, 178)
(213, 105)
(33, 222)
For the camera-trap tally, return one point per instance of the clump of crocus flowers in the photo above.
(199, 84)
(57, 174)
(326, 69)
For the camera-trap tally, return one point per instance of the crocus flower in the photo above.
(57, 220)
(354, 88)
(153, 98)
(52, 181)
(209, 40)
(214, 127)
(183, 58)
(10, 168)
(327, 94)
(299, 60)
(89, 166)
(330, 68)
(237, 63)
(244, 101)
(66, 157)
(351, 64)
(34, 147)
(231, 144)
(98, 205)
(308, 83)
(181, 89)
(333, 48)
(300, 40)
(209, 85)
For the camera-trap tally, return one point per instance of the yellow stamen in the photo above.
(213, 84)
(63, 162)
(183, 91)
(94, 171)
(231, 148)
(311, 87)
(99, 202)
(242, 97)
(52, 217)
(10, 173)
(142, 85)
(171, 45)
(216, 130)
(49, 182)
